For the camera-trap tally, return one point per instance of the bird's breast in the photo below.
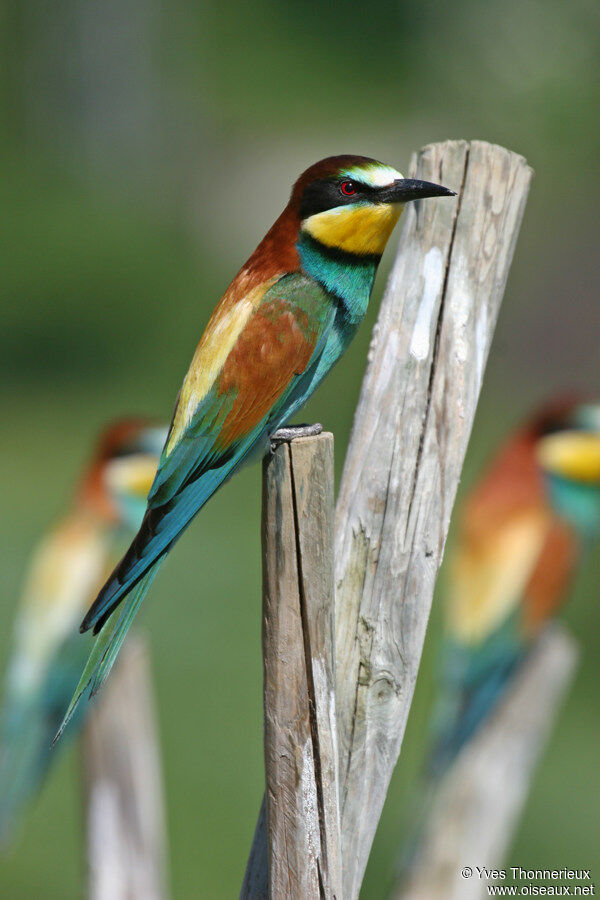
(349, 279)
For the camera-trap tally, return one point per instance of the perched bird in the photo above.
(65, 573)
(283, 322)
(522, 534)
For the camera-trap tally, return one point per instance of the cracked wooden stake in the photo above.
(125, 819)
(302, 849)
(478, 803)
(408, 442)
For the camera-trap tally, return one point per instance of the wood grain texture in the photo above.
(125, 819)
(302, 843)
(477, 806)
(408, 442)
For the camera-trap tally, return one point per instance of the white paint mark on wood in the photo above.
(433, 273)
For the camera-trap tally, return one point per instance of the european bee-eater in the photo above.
(283, 322)
(65, 573)
(521, 537)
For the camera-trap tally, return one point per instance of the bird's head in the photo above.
(568, 452)
(122, 471)
(351, 203)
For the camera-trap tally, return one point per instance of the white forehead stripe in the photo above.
(376, 175)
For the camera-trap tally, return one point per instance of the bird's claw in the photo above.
(290, 432)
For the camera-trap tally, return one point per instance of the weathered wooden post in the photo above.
(300, 856)
(401, 472)
(479, 801)
(125, 819)
(410, 434)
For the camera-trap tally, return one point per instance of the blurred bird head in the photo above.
(119, 478)
(351, 203)
(568, 452)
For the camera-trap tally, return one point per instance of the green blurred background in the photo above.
(146, 148)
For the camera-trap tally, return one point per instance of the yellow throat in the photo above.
(572, 454)
(362, 228)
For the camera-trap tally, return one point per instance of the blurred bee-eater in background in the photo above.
(66, 570)
(523, 532)
(283, 322)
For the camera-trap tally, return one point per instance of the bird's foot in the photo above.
(289, 432)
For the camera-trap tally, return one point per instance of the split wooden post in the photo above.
(125, 819)
(410, 434)
(478, 804)
(297, 837)
(406, 451)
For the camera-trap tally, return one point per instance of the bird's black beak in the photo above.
(405, 189)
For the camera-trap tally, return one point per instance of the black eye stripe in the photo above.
(327, 194)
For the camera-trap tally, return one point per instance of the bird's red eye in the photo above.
(348, 188)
